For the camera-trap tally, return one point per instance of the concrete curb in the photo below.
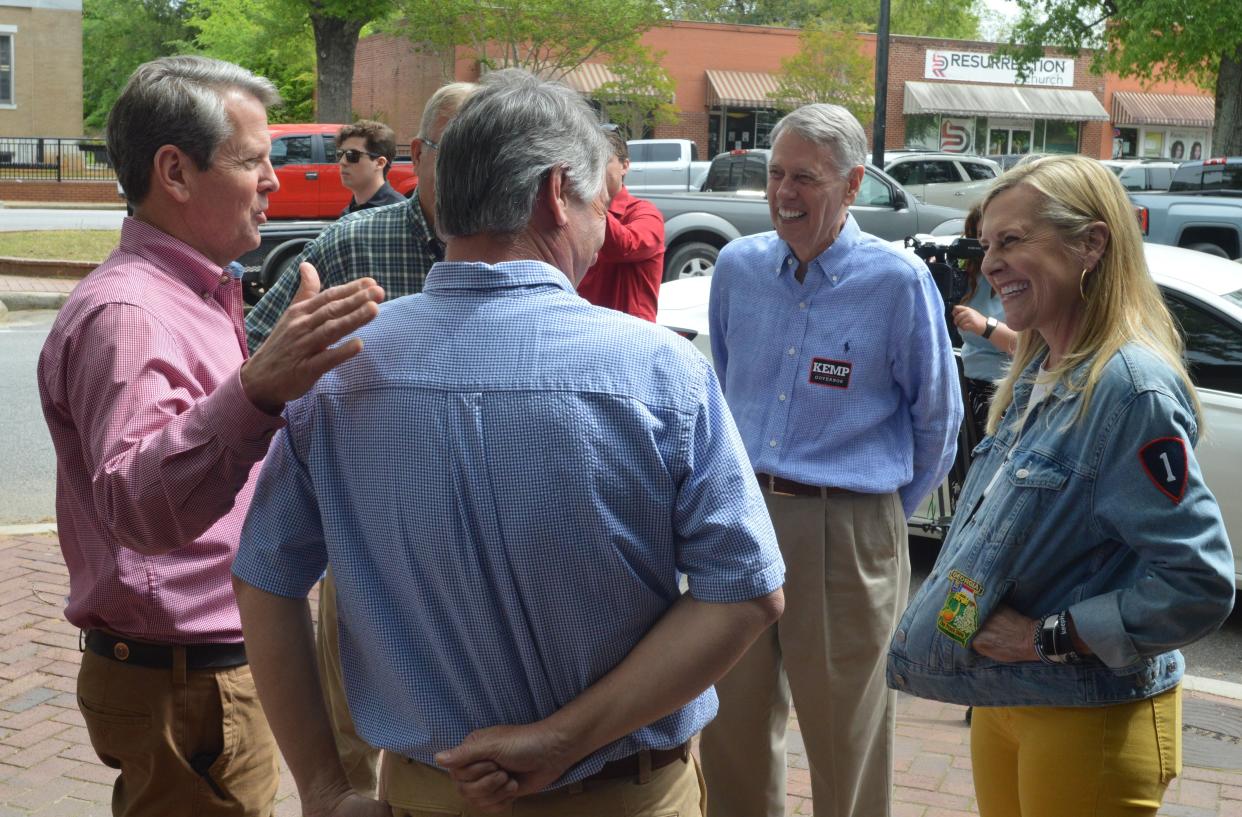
(46, 267)
(13, 204)
(1213, 686)
(26, 530)
(13, 301)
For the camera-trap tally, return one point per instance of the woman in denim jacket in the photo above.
(1086, 548)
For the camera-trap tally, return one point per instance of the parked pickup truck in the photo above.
(304, 157)
(664, 165)
(1202, 210)
(698, 225)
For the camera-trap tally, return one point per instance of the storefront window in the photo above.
(1125, 143)
(764, 120)
(923, 131)
(1061, 137)
(1153, 143)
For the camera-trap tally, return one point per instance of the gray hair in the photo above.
(829, 126)
(507, 137)
(446, 101)
(175, 101)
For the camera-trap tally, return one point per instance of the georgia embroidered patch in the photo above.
(959, 618)
(835, 373)
(1164, 460)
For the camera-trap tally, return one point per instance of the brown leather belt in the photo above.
(631, 766)
(160, 656)
(788, 487)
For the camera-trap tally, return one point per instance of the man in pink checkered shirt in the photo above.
(160, 423)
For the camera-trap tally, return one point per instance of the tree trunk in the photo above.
(1227, 135)
(336, 41)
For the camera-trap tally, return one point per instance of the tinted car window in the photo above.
(978, 172)
(1213, 346)
(1232, 178)
(291, 150)
(1134, 178)
(639, 153)
(906, 173)
(940, 172)
(664, 153)
(874, 193)
(754, 173)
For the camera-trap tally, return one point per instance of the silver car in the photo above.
(947, 179)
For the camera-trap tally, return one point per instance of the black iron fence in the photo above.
(52, 158)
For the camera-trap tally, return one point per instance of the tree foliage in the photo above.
(1150, 39)
(829, 67)
(117, 37)
(642, 93)
(263, 36)
(546, 37)
(957, 19)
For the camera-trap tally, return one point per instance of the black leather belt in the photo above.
(787, 487)
(160, 656)
(631, 766)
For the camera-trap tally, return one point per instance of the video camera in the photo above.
(945, 263)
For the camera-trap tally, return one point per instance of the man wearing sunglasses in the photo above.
(365, 151)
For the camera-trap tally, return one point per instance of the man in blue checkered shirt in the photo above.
(396, 245)
(510, 485)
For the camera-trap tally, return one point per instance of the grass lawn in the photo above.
(60, 245)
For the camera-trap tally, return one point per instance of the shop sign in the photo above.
(973, 66)
(957, 135)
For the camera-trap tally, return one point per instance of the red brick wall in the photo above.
(393, 81)
(692, 125)
(85, 192)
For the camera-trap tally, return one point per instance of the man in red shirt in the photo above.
(630, 266)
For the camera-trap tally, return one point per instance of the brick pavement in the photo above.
(47, 767)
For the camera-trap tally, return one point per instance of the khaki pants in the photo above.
(358, 757)
(676, 790)
(846, 582)
(186, 742)
(1049, 761)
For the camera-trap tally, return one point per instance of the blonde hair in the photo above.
(1122, 303)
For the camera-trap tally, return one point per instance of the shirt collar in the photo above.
(468, 276)
(172, 255)
(620, 202)
(829, 258)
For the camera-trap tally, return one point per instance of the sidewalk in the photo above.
(47, 766)
(32, 292)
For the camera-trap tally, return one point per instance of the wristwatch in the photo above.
(989, 328)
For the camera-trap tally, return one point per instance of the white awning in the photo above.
(1016, 101)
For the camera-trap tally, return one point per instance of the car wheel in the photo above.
(691, 260)
(1210, 249)
(278, 260)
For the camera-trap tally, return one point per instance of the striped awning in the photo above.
(741, 89)
(1017, 101)
(1131, 108)
(588, 76)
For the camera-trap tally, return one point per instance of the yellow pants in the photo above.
(1076, 761)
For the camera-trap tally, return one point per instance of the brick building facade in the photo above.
(40, 67)
(942, 94)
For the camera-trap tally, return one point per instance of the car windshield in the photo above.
(1116, 169)
(1235, 296)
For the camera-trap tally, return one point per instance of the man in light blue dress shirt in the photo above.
(834, 357)
(512, 630)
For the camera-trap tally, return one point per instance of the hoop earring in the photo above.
(1082, 280)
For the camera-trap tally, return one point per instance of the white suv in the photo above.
(947, 179)
(1137, 175)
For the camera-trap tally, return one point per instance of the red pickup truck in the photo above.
(304, 157)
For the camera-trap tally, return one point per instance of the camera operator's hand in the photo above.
(969, 320)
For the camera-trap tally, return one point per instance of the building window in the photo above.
(923, 131)
(1061, 137)
(6, 69)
